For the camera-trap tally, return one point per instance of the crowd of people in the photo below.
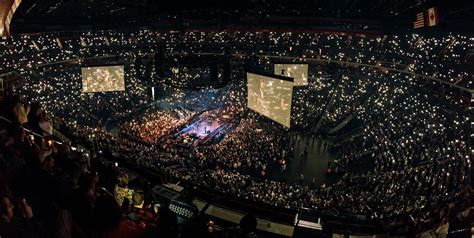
(404, 144)
(235, 152)
(50, 188)
(153, 126)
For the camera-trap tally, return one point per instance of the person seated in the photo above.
(34, 117)
(48, 165)
(25, 148)
(7, 147)
(121, 190)
(45, 124)
(47, 148)
(138, 212)
(82, 200)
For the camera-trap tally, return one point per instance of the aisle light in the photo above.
(153, 93)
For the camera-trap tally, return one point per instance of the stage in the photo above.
(203, 129)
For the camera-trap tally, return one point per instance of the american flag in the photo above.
(420, 20)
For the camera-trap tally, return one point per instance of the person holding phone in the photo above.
(121, 190)
(31, 138)
(47, 148)
(20, 111)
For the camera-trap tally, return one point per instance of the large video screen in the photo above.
(297, 71)
(103, 79)
(270, 96)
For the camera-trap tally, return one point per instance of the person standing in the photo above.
(313, 181)
(20, 111)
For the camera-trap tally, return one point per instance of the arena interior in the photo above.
(251, 118)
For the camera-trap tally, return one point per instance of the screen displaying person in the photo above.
(103, 79)
(299, 72)
(270, 96)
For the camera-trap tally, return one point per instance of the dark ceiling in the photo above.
(68, 14)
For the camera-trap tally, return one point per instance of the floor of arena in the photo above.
(312, 164)
(310, 159)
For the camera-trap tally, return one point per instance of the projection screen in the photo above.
(103, 79)
(297, 71)
(270, 95)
